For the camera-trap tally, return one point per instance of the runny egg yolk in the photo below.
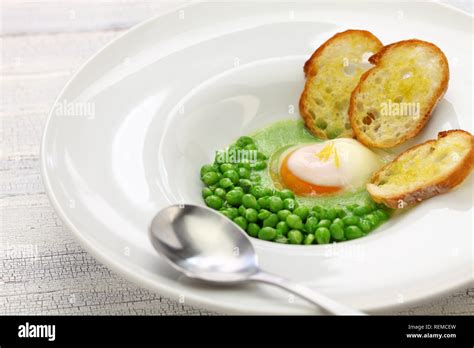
(327, 167)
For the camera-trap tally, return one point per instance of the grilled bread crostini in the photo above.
(425, 170)
(332, 73)
(393, 101)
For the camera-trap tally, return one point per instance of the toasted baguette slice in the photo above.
(394, 100)
(425, 170)
(332, 73)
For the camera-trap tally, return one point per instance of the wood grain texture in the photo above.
(43, 269)
(45, 16)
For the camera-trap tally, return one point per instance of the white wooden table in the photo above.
(43, 269)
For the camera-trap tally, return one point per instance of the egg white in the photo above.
(349, 164)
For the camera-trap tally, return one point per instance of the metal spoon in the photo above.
(204, 244)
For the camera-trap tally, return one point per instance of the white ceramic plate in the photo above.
(159, 100)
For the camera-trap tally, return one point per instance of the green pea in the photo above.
(374, 220)
(206, 169)
(337, 231)
(340, 212)
(244, 173)
(283, 214)
(353, 232)
(260, 165)
(312, 214)
(245, 165)
(268, 191)
(295, 237)
(225, 183)
(324, 223)
(258, 191)
(238, 188)
(243, 141)
(214, 202)
(294, 222)
(362, 210)
(206, 192)
(263, 214)
(275, 204)
(254, 177)
(219, 192)
(240, 220)
(281, 239)
(309, 239)
(251, 215)
(331, 213)
(352, 206)
(224, 167)
(302, 212)
(249, 201)
(289, 204)
(323, 236)
(250, 147)
(365, 225)
(267, 233)
(271, 221)
(261, 156)
(319, 211)
(253, 229)
(234, 197)
(226, 213)
(285, 193)
(210, 178)
(338, 221)
(351, 220)
(282, 228)
(328, 214)
(242, 210)
(264, 202)
(233, 212)
(382, 214)
(232, 175)
(246, 184)
(311, 224)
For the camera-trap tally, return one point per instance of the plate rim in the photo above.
(127, 272)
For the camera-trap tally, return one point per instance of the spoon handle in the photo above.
(312, 296)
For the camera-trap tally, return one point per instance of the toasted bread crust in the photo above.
(439, 93)
(311, 70)
(308, 66)
(429, 189)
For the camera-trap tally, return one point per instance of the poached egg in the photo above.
(327, 167)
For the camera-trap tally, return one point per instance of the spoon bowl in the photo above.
(206, 245)
(200, 243)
